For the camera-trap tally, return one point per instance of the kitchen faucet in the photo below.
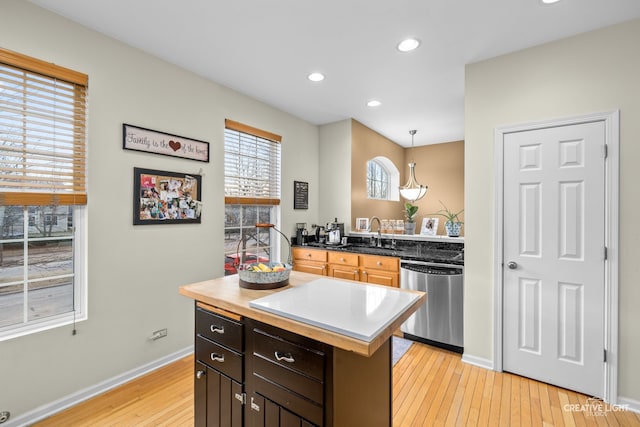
(379, 229)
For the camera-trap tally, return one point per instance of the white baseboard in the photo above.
(478, 361)
(630, 404)
(49, 409)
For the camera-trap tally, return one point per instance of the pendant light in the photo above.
(412, 190)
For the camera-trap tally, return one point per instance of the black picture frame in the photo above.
(300, 195)
(137, 138)
(162, 197)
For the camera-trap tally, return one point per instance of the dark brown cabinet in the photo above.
(219, 370)
(218, 398)
(286, 377)
(248, 373)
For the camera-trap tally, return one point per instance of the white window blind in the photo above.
(42, 132)
(252, 165)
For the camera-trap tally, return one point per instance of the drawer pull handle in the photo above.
(200, 374)
(287, 357)
(379, 263)
(342, 259)
(217, 329)
(217, 357)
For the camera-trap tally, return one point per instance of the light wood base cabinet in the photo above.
(312, 261)
(379, 270)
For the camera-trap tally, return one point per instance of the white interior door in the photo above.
(554, 255)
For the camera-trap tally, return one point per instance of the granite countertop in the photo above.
(446, 252)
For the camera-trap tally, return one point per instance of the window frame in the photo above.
(380, 186)
(80, 279)
(270, 199)
(48, 78)
(393, 177)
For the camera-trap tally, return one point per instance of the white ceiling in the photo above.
(266, 49)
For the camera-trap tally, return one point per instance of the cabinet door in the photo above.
(265, 413)
(200, 395)
(313, 268)
(343, 272)
(218, 399)
(379, 277)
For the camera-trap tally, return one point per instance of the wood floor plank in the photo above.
(485, 406)
(431, 387)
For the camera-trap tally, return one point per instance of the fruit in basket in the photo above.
(264, 268)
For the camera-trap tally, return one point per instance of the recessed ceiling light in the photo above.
(549, 1)
(316, 77)
(374, 103)
(408, 45)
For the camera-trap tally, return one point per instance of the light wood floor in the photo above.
(431, 387)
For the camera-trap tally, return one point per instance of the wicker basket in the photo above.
(261, 279)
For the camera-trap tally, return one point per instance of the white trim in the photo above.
(68, 401)
(393, 175)
(612, 193)
(477, 361)
(630, 404)
(80, 282)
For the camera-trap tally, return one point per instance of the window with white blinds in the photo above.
(251, 165)
(42, 132)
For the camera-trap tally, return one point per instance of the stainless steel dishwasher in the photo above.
(439, 320)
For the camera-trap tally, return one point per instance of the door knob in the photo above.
(512, 265)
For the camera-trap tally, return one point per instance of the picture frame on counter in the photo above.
(162, 197)
(362, 224)
(429, 226)
(152, 141)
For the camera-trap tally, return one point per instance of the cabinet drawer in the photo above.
(380, 262)
(220, 329)
(343, 258)
(289, 355)
(309, 254)
(294, 381)
(220, 358)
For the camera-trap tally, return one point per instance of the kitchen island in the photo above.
(261, 362)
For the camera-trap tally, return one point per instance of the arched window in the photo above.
(383, 179)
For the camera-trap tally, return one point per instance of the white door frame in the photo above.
(612, 167)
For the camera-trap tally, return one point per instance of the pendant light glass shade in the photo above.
(412, 190)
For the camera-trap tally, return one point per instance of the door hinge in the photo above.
(606, 151)
(606, 253)
(242, 397)
(605, 356)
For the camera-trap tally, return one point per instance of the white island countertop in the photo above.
(352, 316)
(345, 307)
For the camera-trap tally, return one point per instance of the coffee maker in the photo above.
(302, 235)
(334, 231)
(335, 225)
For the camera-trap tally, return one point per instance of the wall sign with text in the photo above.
(151, 141)
(300, 195)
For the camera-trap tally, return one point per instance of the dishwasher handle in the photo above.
(431, 269)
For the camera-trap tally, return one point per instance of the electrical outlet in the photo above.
(4, 416)
(160, 333)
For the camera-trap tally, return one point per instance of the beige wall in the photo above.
(440, 167)
(134, 272)
(365, 145)
(593, 72)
